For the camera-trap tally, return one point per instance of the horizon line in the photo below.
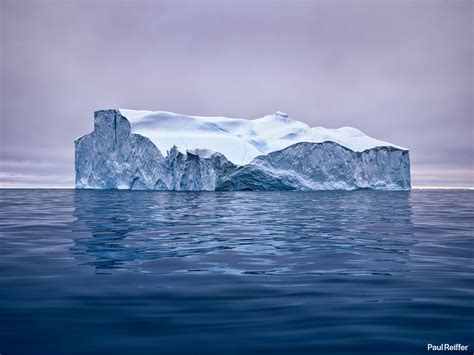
(73, 188)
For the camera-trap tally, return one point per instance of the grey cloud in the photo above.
(400, 71)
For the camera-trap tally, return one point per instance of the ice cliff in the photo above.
(126, 151)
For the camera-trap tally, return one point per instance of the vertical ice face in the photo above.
(111, 157)
(218, 153)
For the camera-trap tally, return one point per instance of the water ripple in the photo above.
(234, 272)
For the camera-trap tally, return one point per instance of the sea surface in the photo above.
(120, 272)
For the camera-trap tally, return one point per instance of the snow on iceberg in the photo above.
(275, 152)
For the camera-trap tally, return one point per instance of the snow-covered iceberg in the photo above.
(275, 152)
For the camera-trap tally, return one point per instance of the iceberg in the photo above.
(145, 150)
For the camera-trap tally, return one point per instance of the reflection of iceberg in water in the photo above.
(301, 233)
(117, 230)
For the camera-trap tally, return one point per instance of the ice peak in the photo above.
(282, 114)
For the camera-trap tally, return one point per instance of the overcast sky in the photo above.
(400, 71)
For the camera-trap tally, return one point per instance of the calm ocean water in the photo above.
(108, 272)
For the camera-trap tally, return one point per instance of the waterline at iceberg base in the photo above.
(126, 151)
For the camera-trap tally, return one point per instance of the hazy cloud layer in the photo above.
(400, 71)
